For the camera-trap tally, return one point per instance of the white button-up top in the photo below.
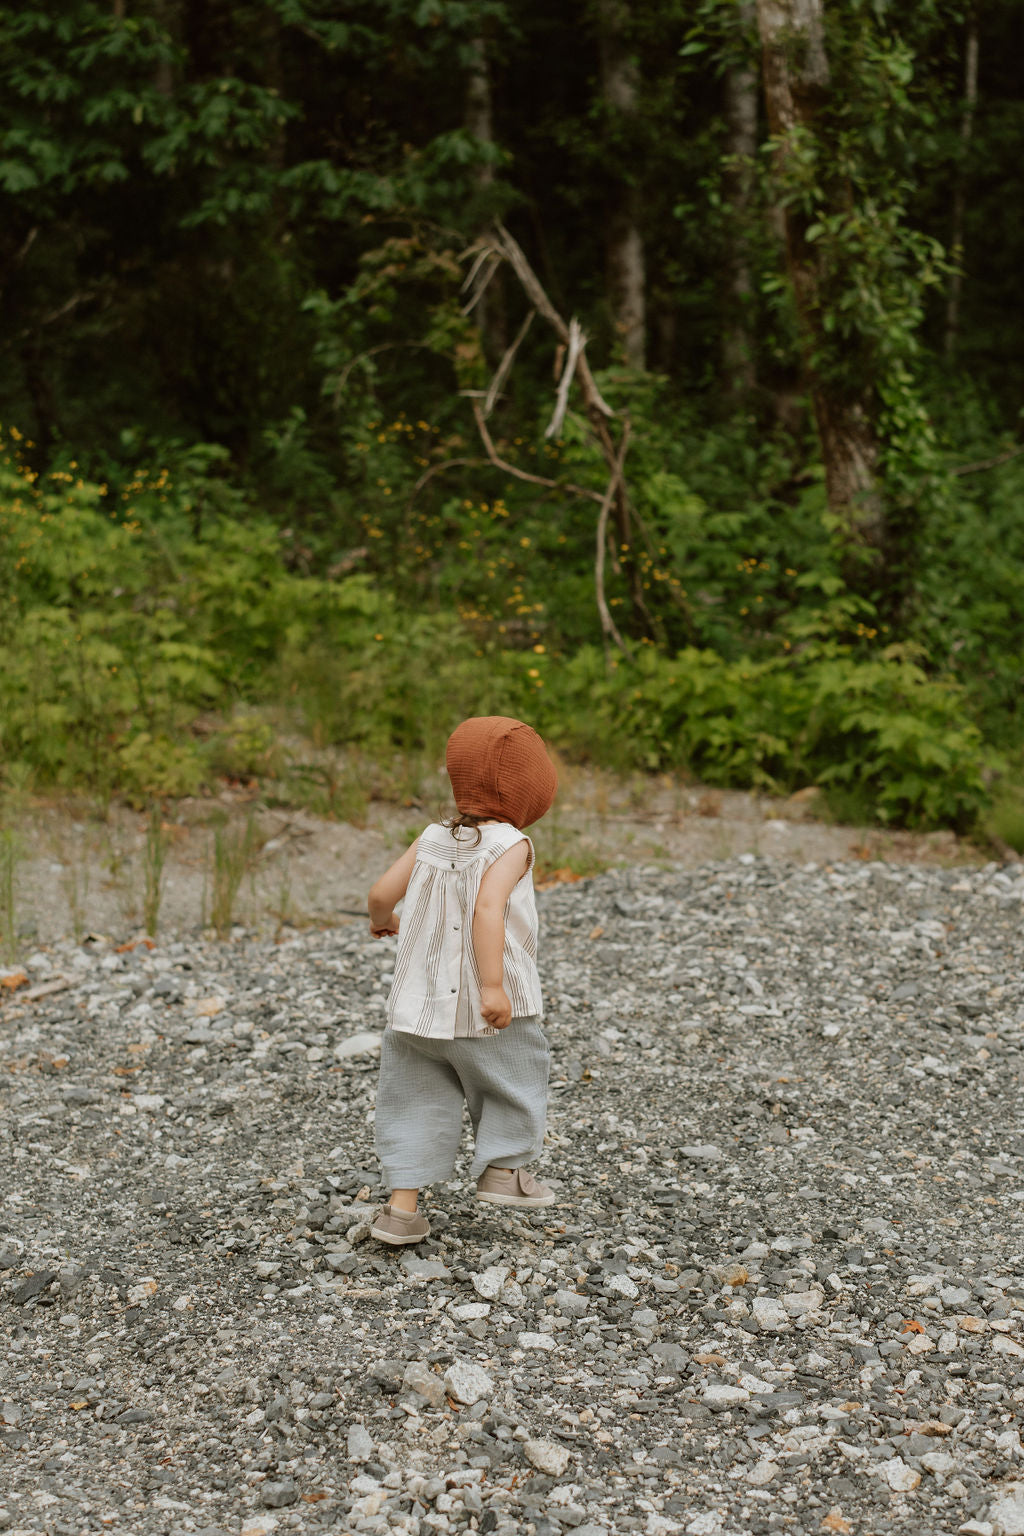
(436, 990)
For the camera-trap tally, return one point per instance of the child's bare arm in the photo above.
(388, 892)
(496, 887)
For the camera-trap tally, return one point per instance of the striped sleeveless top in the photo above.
(436, 991)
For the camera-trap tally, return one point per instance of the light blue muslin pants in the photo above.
(502, 1079)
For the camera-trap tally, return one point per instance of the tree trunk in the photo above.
(624, 247)
(478, 116)
(741, 150)
(797, 86)
(956, 280)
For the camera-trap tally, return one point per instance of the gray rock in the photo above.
(425, 1269)
(571, 1303)
(278, 1495)
(418, 1377)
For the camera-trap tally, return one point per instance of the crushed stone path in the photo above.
(782, 1288)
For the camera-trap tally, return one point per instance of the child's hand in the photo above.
(385, 930)
(495, 1007)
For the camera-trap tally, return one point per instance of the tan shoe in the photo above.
(400, 1227)
(512, 1186)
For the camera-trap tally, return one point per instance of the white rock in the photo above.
(850, 1451)
(363, 1044)
(471, 1311)
(954, 1296)
(152, 1101)
(536, 1341)
(1007, 1512)
(920, 1344)
(761, 1473)
(706, 1524)
(715, 1396)
(365, 1508)
(898, 1475)
(622, 1285)
(769, 1313)
(489, 1284)
(360, 1443)
(755, 1384)
(571, 1303)
(547, 1456)
(800, 1303)
(1001, 1345)
(976, 1528)
(467, 1383)
(938, 1462)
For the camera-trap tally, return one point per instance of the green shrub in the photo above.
(145, 651)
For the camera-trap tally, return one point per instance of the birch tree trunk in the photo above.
(624, 247)
(956, 280)
(741, 149)
(797, 86)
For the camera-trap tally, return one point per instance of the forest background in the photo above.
(653, 372)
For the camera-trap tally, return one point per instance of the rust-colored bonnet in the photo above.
(500, 770)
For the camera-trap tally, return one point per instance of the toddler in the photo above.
(465, 1008)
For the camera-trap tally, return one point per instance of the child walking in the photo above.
(465, 1008)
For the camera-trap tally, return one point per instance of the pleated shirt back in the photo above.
(436, 990)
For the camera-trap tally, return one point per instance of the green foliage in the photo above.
(1005, 819)
(257, 535)
(118, 639)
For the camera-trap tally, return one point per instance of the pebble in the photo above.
(468, 1383)
(781, 1286)
(363, 1044)
(547, 1456)
(1006, 1513)
(769, 1313)
(420, 1378)
(898, 1475)
(536, 1341)
(278, 1495)
(489, 1284)
(360, 1443)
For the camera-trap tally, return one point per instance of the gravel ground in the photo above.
(782, 1288)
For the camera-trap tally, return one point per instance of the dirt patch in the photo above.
(77, 870)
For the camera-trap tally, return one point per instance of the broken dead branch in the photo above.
(503, 369)
(486, 256)
(574, 351)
